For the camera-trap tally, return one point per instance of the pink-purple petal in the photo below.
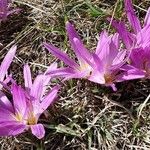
(49, 98)
(38, 130)
(11, 128)
(37, 88)
(126, 36)
(5, 103)
(61, 55)
(6, 114)
(132, 73)
(52, 67)
(78, 75)
(82, 57)
(6, 62)
(73, 34)
(137, 56)
(97, 77)
(99, 64)
(61, 72)
(19, 99)
(113, 86)
(143, 38)
(120, 57)
(134, 21)
(101, 41)
(3, 9)
(147, 18)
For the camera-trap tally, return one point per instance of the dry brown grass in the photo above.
(87, 115)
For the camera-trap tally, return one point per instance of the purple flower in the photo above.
(136, 42)
(23, 111)
(5, 9)
(108, 59)
(139, 63)
(83, 68)
(6, 63)
(140, 36)
(101, 67)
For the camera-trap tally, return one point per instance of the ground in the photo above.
(86, 116)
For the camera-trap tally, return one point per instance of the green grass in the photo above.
(86, 116)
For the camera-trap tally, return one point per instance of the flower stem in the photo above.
(40, 146)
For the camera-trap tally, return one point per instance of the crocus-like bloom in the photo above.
(140, 35)
(139, 62)
(6, 63)
(108, 60)
(80, 70)
(26, 106)
(101, 67)
(137, 43)
(5, 9)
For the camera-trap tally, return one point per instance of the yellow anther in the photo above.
(31, 119)
(18, 117)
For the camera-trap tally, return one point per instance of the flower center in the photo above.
(85, 67)
(18, 117)
(108, 78)
(31, 119)
(146, 67)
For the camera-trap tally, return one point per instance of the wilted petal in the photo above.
(4, 9)
(38, 130)
(3, 5)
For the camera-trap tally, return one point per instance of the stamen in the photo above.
(31, 119)
(84, 67)
(18, 117)
(108, 78)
